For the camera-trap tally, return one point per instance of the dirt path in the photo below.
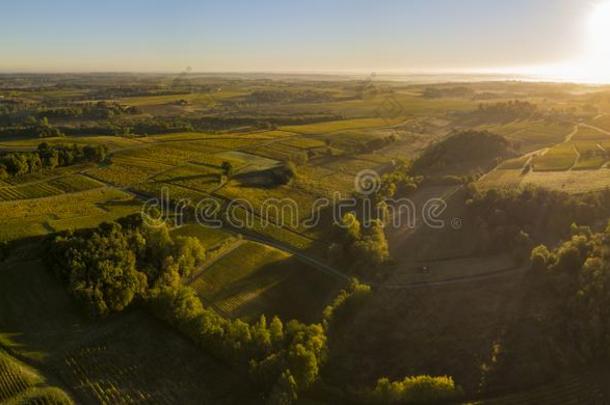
(453, 280)
(569, 136)
(397, 236)
(578, 155)
(603, 131)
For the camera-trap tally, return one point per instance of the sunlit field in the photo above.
(305, 203)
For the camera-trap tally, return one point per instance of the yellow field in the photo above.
(254, 279)
(69, 211)
(334, 126)
(590, 134)
(568, 181)
(559, 157)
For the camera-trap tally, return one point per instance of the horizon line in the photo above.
(499, 75)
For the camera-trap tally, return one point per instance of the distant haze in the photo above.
(385, 36)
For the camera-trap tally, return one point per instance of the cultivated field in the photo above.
(441, 290)
(131, 358)
(253, 279)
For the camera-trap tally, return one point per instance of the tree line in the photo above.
(577, 272)
(118, 264)
(48, 157)
(518, 218)
(123, 263)
(91, 111)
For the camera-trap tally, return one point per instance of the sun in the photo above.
(599, 30)
(593, 63)
(597, 61)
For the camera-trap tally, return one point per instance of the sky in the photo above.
(291, 36)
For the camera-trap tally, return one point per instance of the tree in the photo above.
(227, 168)
(102, 271)
(540, 258)
(303, 365)
(350, 228)
(189, 253)
(285, 390)
(372, 248)
(276, 329)
(345, 303)
(153, 245)
(417, 390)
(284, 173)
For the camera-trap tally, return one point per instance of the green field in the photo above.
(67, 211)
(602, 122)
(590, 134)
(335, 126)
(532, 135)
(113, 142)
(130, 358)
(21, 384)
(210, 237)
(255, 279)
(53, 187)
(446, 301)
(559, 157)
(592, 155)
(516, 163)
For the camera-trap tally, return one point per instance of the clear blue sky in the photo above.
(288, 35)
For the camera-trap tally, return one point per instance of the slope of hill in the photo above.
(464, 153)
(20, 384)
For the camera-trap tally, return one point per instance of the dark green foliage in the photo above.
(346, 303)
(227, 168)
(578, 274)
(45, 130)
(31, 127)
(398, 183)
(109, 267)
(509, 111)
(281, 360)
(439, 92)
(100, 269)
(517, 217)
(284, 173)
(160, 126)
(255, 119)
(286, 96)
(365, 245)
(415, 390)
(464, 151)
(49, 157)
(189, 254)
(375, 144)
(90, 111)
(285, 390)
(372, 248)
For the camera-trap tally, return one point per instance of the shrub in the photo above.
(415, 390)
